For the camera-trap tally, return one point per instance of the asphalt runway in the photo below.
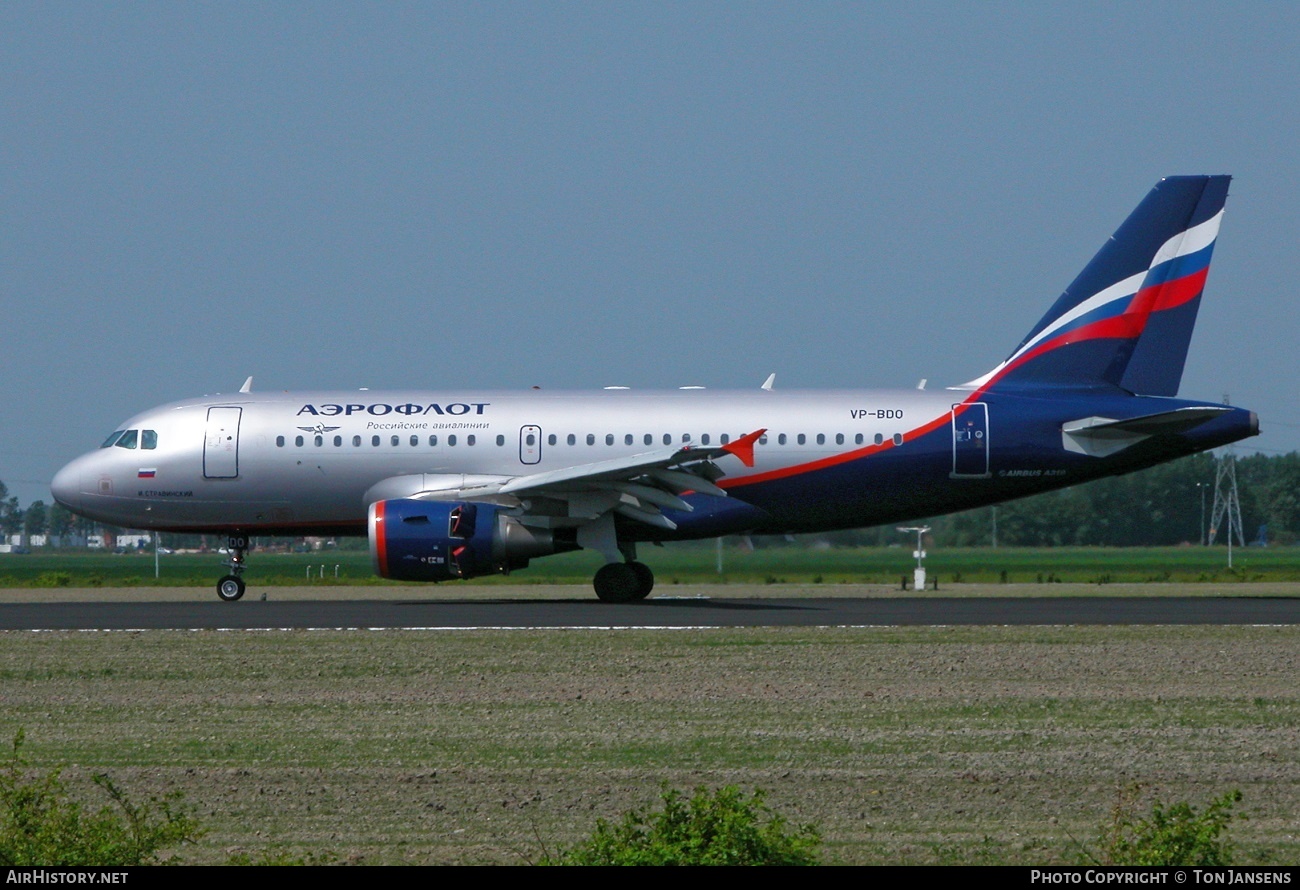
(664, 612)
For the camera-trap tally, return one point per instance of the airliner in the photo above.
(457, 483)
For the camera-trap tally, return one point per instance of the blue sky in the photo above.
(575, 195)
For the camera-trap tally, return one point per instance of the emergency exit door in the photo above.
(530, 444)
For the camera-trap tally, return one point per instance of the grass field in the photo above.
(922, 745)
(695, 564)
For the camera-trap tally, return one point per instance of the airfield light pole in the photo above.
(918, 574)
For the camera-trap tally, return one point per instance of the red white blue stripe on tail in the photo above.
(1127, 320)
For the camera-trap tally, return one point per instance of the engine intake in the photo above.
(414, 540)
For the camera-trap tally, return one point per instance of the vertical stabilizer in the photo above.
(1127, 319)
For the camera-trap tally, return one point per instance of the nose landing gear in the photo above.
(231, 587)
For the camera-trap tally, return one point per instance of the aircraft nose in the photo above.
(66, 486)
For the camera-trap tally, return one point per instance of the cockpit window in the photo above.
(129, 439)
(116, 434)
(149, 439)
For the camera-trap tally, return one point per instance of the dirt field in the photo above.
(903, 745)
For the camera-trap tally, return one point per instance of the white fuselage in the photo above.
(306, 460)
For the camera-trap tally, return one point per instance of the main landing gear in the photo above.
(621, 579)
(623, 582)
(231, 587)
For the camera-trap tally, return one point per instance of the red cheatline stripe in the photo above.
(1121, 327)
(835, 460)
(1125, 326)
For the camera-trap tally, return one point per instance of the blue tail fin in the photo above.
(1127, 320)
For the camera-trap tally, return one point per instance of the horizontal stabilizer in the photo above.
(1102, 436)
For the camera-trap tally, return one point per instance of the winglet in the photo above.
(743, 447)
(769, 382)
(248, 385)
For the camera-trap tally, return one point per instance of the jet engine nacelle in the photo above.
(413, 540)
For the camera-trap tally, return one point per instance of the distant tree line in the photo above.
(1159, 506)
(39, 519)
(1164, 505)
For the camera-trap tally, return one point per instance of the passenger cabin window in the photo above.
(279, 441)
(297, 440)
